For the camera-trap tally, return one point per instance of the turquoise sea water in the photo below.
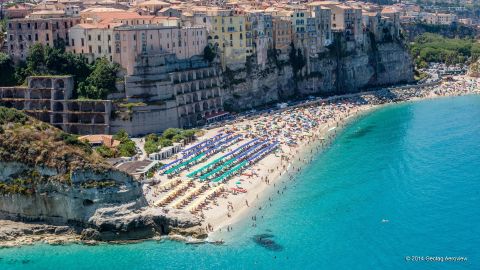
(402, 181)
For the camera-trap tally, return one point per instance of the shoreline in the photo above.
(305, 155)
(277, 168)
(306, 152)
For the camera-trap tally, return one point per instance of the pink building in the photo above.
(132, 41)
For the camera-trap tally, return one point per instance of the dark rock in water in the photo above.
(362, 132)
(265, 241)
(25, 261)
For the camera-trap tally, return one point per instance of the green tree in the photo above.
(35, 59)
(127, 147)
(7, 71)
(296, 59)
(105, 151)
(45, 60)
(209, 53)
(121, 136)
(101, 81)
(169, 133)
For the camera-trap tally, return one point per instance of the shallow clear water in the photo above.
(415, 165)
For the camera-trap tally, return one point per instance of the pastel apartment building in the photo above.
(132, 41)
(282, 34)
(227, 33)
(94, 37)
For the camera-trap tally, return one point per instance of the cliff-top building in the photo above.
(43, 27)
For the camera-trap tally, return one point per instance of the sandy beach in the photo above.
(230, 172)
(301, 131)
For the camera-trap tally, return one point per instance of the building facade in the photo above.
(132, 41)
(24, 33)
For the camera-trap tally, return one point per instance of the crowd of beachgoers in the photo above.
(231, 167)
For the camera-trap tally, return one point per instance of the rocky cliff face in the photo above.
(48, 176)
(340, 69)
(103, 206)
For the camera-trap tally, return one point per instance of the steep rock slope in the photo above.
(342, 68)
(49, 176)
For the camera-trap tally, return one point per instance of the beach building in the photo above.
(100, 140)
(166, 152)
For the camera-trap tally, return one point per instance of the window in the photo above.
(29, 37)
(46, 25)
(90, 49)
(82, 41)
(11, 37)
(65, 24)
(109, 37)
(56, 24)
(35, 26)
(134, 37)
(28, 25)
(99, 49)
(99, 38)
(89, 37)
(73, 42)
(19, 26)
(36, 37)
(47, 37)
(9, 26)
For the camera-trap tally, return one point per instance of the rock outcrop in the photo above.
(345, 68)
(68, 184)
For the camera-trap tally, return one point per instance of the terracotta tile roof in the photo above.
(106, 140)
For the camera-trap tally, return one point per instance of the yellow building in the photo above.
(227, 33)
